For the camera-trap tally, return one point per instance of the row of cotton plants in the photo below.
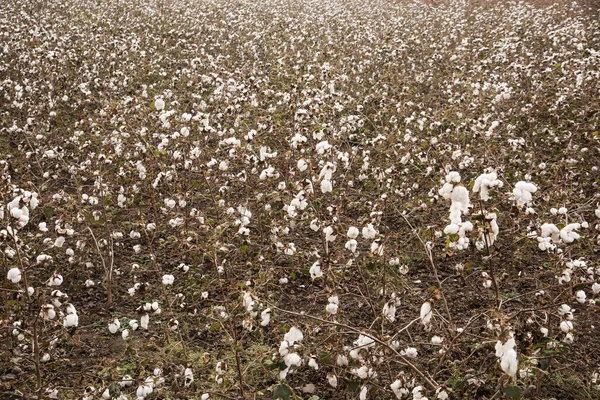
(299, 199)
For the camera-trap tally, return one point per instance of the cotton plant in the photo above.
(459, 196)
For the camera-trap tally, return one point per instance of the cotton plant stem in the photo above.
(490, 262)
(434, 269)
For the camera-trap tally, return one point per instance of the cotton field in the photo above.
(299, 199)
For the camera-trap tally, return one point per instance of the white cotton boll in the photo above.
(553, 211)
(205, 396)
(363, 393)
(580, 295)
(484, 183)
(329, 236)
(596, 288)
(442, 394)
(168, 279)
(313, 364)
(369, 232)
(352, 232)
(411, 352)
(562, 210)
(125, 334)
(451, 229)
(188, 376)
(302, 165)
(14, 275)
(568, 234)
(59, 241)
(426, 313)
(315, 271)
(436, 340)
(294, 335)
(550, 230)
(566, 326)
(389, 311)
(351, 245)
(341, 360)
(326, 186)
(332, 380)
(314, 225)
(265, 317)
(508, 356)
(453, 177)
(332, 308)
(597, 212)
(42, 227)
(159, 104)
(292, 359)
(55, 280)
(106, 394)
(398, 390)
(144, 321)
(71, 320)
(114, 326)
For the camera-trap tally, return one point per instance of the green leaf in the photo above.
(282, 391)
(514, 392)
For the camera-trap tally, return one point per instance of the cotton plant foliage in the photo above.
(299, 198)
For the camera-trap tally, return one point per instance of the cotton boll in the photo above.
(159, 104)
(265, 317)
(580, 295)
(315, 271)
(168, 279)
(508, 356)
(568, 234)
(326, 186)
(114, 326)
(411, 352)
(312, 363)
(14, 275)
(144, 321)
(188, 377)
(302, 165)
(369, 232)
(294, 335)
(426, 314)
(351, 245)
(566, 326)
(332, 380)
(352, 232)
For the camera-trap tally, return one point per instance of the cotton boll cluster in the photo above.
(292, 360)
(333, 303)
(507, 355)
(484, 183)
(488, 236)
(523, 193)
(459, 197)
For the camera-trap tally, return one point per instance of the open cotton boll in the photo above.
(508, 356)
(294, 335)
(326, 186)
(265, 317)
(188, 376)
(302, 165)
(426, 314)
(159, 104)
(315, 271)
(14, 275)
(369, 232)
(351, 245)
(522, 193)
(568, 234)
(550, 230)
(114, 326)
(484, 183)
(352, 232)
